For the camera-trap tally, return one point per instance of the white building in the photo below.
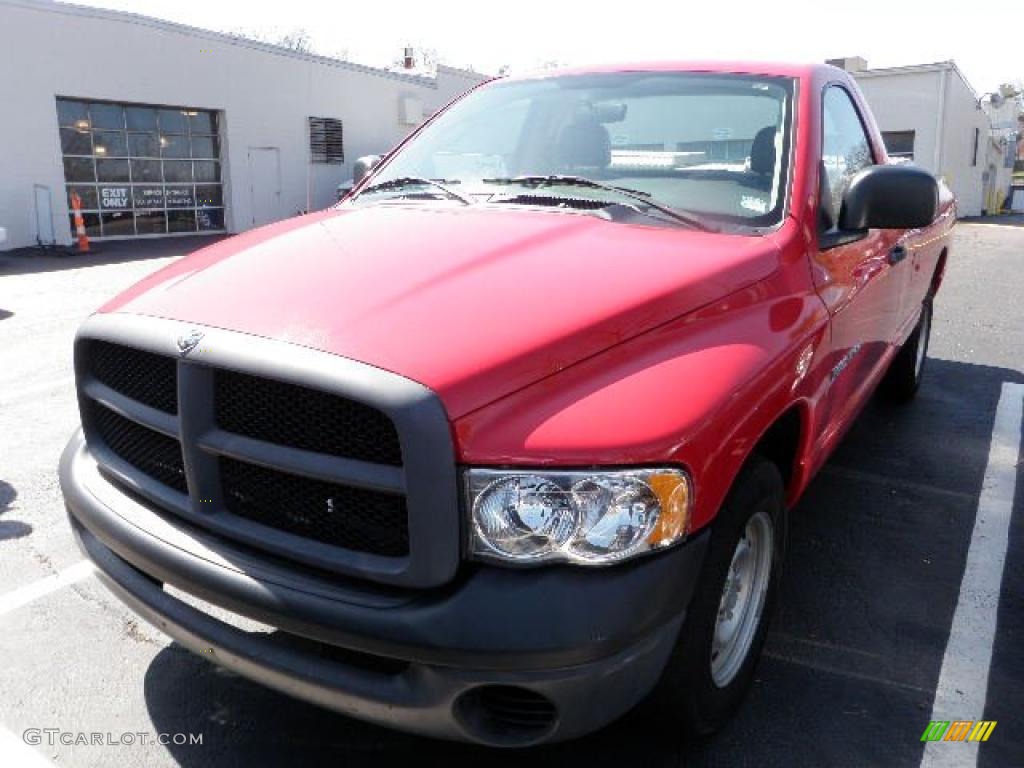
(930, 114)
(161, 128)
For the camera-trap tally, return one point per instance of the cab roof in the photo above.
(777, 69)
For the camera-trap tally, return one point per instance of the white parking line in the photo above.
(963, 681)
(14, 751)
(30, 592)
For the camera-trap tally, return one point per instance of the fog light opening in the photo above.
(506, 715)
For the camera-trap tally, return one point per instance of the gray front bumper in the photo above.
(593, 642)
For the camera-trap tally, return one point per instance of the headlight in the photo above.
(583, 517)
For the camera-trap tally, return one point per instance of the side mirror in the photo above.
(889, 197)
(363, 166)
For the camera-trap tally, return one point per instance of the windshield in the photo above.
(710, 145)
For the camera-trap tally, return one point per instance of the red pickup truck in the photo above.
(504, 443)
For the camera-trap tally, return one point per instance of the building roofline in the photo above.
(127, 17)
(910, 69)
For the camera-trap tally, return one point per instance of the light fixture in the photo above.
(584, 517)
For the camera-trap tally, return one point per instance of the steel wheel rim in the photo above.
(922, 342)
(743, 596)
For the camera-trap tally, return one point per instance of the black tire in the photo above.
(903, 378)
(687, 701)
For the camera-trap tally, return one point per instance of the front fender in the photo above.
(698, 392)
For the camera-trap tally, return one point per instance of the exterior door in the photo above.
(859, 277)
(265, 185)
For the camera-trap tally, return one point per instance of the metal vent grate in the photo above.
(143, 376)
(299, 417)
(152, 453)
(353, 518)
(326, 140)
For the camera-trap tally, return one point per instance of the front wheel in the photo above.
(903, 378)
(713, 664)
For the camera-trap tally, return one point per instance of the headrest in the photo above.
(584, 143)
(762, 151)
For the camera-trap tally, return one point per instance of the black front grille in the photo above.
(353, 518)
(142, 376)
(152, 453)
(304, 418)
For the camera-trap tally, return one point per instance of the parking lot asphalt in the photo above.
(877, 555)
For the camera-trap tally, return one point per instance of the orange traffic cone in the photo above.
(83, 240)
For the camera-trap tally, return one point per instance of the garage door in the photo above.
(142, 170)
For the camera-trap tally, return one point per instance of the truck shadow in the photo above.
(877, 549)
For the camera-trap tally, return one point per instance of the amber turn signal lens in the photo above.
(673, 492)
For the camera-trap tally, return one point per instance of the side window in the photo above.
(845, 149)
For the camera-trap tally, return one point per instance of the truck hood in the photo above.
(474, 303)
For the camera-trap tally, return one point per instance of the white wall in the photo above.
(934, 103)
(265, 95)
(907, 102)
(963, 170)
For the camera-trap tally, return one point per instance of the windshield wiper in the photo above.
(410, 181)
(581, 181)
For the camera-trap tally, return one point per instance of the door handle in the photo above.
(897, 254)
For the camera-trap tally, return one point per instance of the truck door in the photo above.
(857, 275)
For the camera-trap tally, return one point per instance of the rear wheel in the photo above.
(713, 664)
(903, 378)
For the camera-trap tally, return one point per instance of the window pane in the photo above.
(210, 218)
(141, 119)
(151, 223)
(201, 122)
(207, 170)
(172, 121)
(75, 142)
(180, 197)
(110, 143)
(112, 170)
(72, 113)
(209, 194)
(143, 145)
(86, 194)
(845, 148)
(181, 221)
(204, 146)
(148, 197)
(118, 224)
(174, 146)
(91, 221)
(899, 143)
(107, 115)
(79, 169)
(177, 170)
(146, 170)
(115, 198)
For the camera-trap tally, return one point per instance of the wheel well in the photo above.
(780, 443)
(940, 271)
